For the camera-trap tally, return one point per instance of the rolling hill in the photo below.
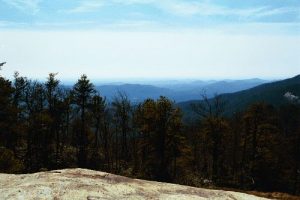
(135, 92)
(178, 91)
(272, 93)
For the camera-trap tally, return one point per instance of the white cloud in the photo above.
(278, 11)
(28, 6)
(63, 24)
(128, 2)
(86, 6)
(207, 8)
(6, 24)
(135, 24)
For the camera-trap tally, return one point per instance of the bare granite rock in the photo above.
(93, 185)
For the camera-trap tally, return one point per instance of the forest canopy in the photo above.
(45, 126)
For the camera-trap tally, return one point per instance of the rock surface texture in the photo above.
(91, 185)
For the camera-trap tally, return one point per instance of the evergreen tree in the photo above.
(83, 91)
(159, 124)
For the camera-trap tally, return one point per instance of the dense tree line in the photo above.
(44, 126)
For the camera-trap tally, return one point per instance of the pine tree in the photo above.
(160, 127)
(83, 91)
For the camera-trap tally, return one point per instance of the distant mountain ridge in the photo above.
(177, 91)
(135, 92)
(272, 93)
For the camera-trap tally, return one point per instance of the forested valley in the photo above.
(45, 126)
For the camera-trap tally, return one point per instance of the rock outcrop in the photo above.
(90, 185)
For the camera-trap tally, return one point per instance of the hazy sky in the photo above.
(120, 39)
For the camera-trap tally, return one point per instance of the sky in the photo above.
(150, 39)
